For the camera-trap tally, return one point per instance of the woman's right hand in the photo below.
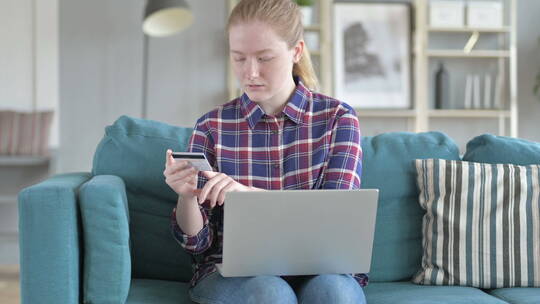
(181, 176)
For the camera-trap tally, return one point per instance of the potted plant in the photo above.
(306, 7)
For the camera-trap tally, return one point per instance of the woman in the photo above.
(277, 135)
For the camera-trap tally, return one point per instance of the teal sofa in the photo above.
(104, 236)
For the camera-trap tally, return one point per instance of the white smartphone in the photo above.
(197, 159)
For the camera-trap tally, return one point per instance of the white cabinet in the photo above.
(451, 45)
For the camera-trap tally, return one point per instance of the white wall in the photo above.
(528, 67)
(28, 34)
(28, 80)
(101, 43)
(101, 73)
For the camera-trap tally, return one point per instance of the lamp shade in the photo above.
(166, 17)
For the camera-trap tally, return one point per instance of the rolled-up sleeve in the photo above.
(200, 141)
(194, 244)
(344, 166)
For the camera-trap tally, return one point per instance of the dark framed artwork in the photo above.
(372, 54)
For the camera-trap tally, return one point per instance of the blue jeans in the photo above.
(327, 289)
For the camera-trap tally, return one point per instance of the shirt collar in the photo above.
(294, 109)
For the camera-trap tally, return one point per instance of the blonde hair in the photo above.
(285, 18)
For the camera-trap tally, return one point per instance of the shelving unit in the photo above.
(23, 160)
(504, 29)
(387, 113)
(469, 113)
(421, 116)
(18, 171)
(504, 55)
(472, 54)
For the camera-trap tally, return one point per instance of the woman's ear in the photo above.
(298, 50)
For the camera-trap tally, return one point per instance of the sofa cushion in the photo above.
(107, 260)
(388, 165)
(482, 225)
(517, 295)
(409, 293)
(156, 291)
(493, 149)
(134, 150)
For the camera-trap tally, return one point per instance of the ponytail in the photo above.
(304, 70)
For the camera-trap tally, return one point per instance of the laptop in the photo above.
(298, 232)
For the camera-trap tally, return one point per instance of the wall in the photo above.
(28, 34)
(528, 67)
(101, 44)
(28, 81)
(101, 70)
(101, 47)
(528, 30)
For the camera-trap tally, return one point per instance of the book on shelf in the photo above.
(25, 133)
(487, 92)
(487, 97)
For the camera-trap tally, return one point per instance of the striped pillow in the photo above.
(482, 224)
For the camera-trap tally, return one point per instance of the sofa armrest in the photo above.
(49, 236)
(107, 259)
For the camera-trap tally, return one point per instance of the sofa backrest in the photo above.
(134, 149)
(388, 166)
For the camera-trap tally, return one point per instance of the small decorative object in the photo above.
(485, 14)
(446, 13)
(469, 46)
(372, 54)
(306, 7)
(442, 88)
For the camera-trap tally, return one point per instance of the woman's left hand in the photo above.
(217, 185)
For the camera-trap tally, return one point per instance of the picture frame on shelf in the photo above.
(372, 54)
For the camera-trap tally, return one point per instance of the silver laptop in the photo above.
(298, 232)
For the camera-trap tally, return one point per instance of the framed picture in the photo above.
(372, 57)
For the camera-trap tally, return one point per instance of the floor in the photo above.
(9, 284)
(9, 269)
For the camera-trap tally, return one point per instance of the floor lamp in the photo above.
(161, 18)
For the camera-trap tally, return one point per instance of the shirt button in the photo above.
(275, 132)
(276, 166)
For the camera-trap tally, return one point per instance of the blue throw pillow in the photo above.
(134, 150)
(494, 149)
(388, 165)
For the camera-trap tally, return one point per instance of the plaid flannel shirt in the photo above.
(313, 144)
